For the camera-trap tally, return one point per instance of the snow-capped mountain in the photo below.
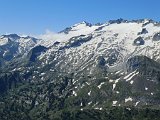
(13, 45)
(116, 41)
(85, 66)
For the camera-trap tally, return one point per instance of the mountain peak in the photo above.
(121, 20)
(11, 36)
(83, 23)
(118, 21)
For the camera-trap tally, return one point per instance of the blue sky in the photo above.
(36, 16)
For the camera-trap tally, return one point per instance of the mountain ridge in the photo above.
(86, 67)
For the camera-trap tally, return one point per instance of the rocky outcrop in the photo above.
(139, 41)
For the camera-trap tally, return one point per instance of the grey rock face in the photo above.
(139, 41)
(35, 52)
(144, 31)
(156, 37)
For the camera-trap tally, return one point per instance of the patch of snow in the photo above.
(87, 83)
(74, 93)
(128, 99)
(36, 103)
(74, 82)
(128, 109)
(131, 82)
(111, 81)
(4, 53)
(51, 70)
(42, 78)
(99, 86)
(130, 76)
(117, 92)
(3, 41)
(89, 93)
(146, 88)
(81, 104)
(90, 103)
(118, 72)
(117, 80)
(114, 103)
(42, 74)
(137, 103)
(14, 69)
(114, 85)
(82, 85)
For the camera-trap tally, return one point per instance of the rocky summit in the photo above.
(107, 71)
